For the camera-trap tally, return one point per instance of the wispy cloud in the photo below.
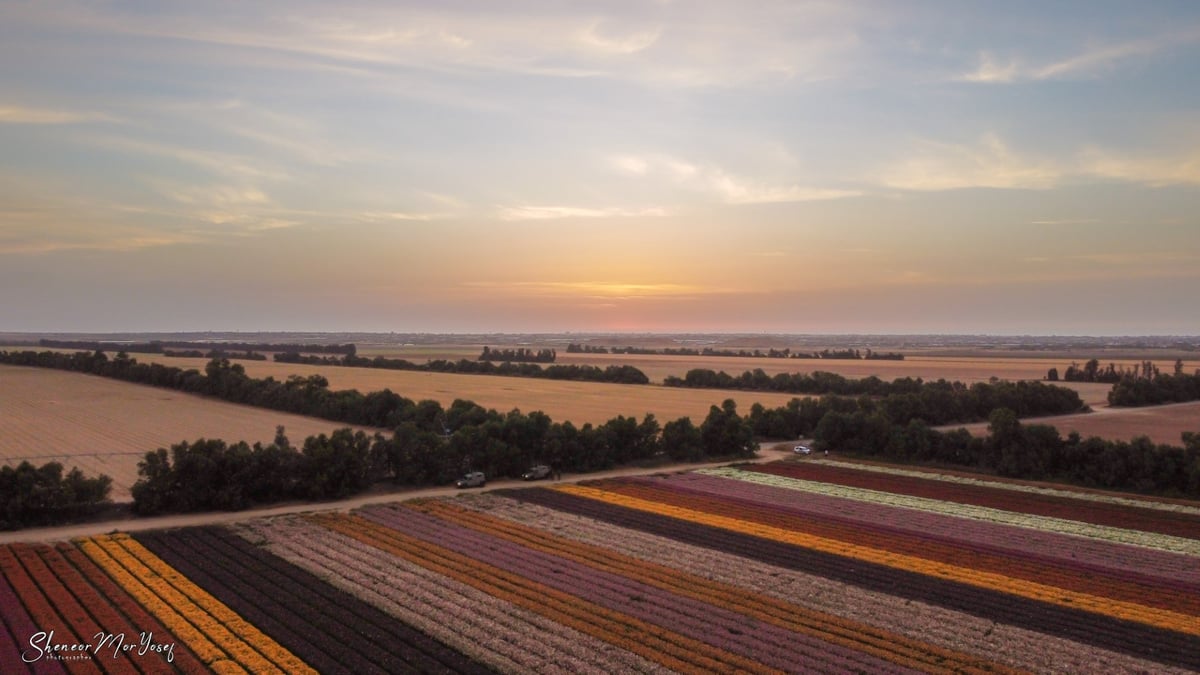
(1088, 62)
(1180, 169)
(17, 114)
(988, 163)
(552, 212)
(720, 185)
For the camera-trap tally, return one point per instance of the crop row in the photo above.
(826, 627)
(68, 594)
(1012, 562)
(1143, 641)
(1150, 540)
(1046, 593)
(749, 636)
(222, 640)
(492, 630)
(1055, 506)
(1007, 644)
(346, 634)
(1016, 485)
(663, 646)
(1137, 561)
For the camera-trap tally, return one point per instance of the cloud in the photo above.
(1086, 63)
(1154, 171)
(552, 212)
(989, 163)
(719, 184)
(991, 71)
(15, 114)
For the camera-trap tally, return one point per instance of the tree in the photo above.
(681, 441)
(725, 433)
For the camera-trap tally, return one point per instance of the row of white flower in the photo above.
(1032, 489)
(487, 628)
(1150, 540)
(1010, 645)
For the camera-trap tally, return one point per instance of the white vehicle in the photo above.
(802, 450)
(473, 479)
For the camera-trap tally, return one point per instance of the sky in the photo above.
(646, 166)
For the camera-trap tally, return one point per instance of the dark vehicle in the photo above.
(473, 479)
(537, 472)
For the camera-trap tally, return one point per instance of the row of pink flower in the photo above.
(1120, 516)
(1010, 645)
(1135, 564)
(764, 642)
(1065, 573)
(1151, 540)
(1080, 494)
(493, 631)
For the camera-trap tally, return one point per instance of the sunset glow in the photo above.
(645, 166)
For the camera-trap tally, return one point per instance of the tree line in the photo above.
(931, 403)
(158, 346)
(786, 353)
(582, 373)
(33, 496)
(956, 401)
(1027, 451)
(431, 448)
(519, 355)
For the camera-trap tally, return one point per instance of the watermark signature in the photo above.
(43, 646)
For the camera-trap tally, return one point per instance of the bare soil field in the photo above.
(106, 426)
(1163, 424)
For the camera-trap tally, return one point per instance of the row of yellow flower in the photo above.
(656, 644)
(1123, 610)
(861, 637)
(220, 628)
(1152, 540)
(208, 653)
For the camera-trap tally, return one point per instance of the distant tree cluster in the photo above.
(519, 355)
(930, 403)
(1139, 385)
(583, 373)
(215, 354)
(1034, 451)
(787, 353)
(33, 496)
(940, 402)
(159, 347)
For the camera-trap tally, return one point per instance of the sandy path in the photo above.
(768, 453)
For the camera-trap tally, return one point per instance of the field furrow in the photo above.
(1099, 630)
(1008, 644)
(1095, 512)
(663, 646)
(1065, 572)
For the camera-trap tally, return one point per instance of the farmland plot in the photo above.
(106, 426)
(786, 567)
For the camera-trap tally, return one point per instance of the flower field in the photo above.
(787, 567)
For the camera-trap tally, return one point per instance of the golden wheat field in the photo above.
(105, 426)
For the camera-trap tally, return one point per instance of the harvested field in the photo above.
(106, 426)
(1163, 424)
(576, 402)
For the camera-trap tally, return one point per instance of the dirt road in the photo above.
(768, 453)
